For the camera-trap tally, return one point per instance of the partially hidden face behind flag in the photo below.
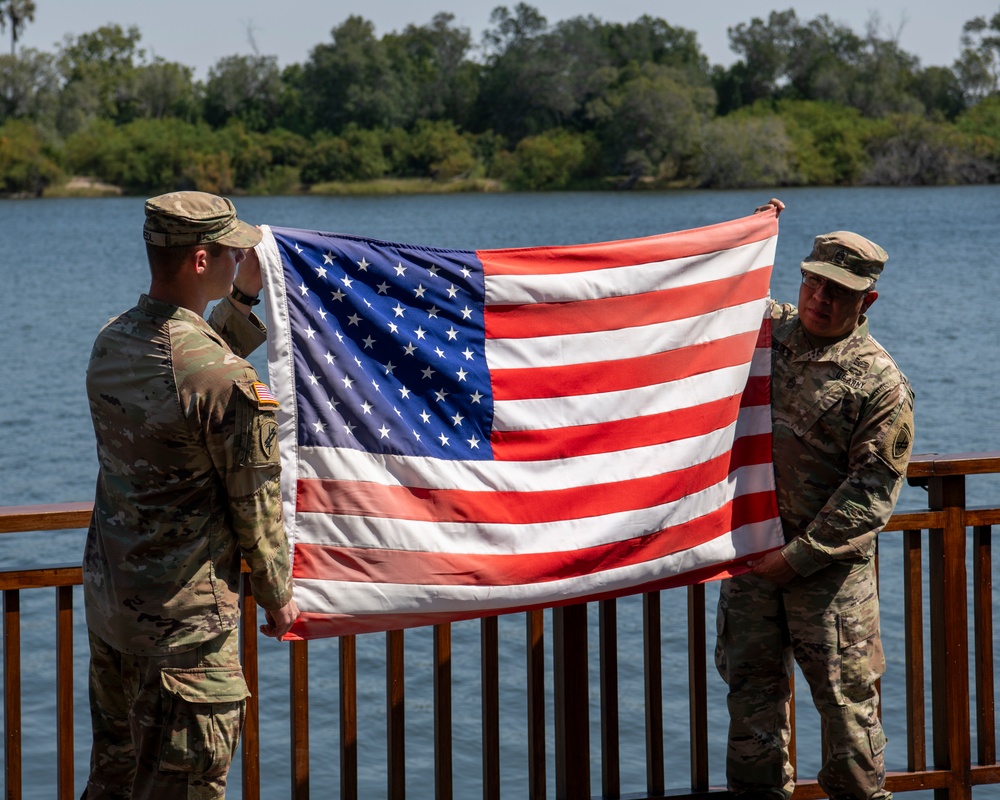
(465, 433)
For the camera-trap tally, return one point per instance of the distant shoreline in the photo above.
(84, 186)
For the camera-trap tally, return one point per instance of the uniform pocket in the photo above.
(876, 738)
(861, 657)
(203, 713)
(803, 414)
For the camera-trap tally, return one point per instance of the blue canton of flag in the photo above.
(391, 354)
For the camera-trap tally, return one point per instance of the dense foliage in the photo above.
(581, 103)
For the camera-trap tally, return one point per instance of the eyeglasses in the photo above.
(836, 291)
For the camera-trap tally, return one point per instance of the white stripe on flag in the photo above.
(635, 279)
(569, 534)
(585, 348)
(600, 468)
(362, 598)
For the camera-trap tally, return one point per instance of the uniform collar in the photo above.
(168, 310)
(793, 338)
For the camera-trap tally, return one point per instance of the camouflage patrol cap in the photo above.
(846, 258)
(182, 219)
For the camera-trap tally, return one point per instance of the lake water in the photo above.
(69, 265)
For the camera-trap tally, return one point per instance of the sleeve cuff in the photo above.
(269, 592)
(242, 334)
(802, 558)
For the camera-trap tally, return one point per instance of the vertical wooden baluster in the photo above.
(982, 583)
(64, 691)
(442, 713)
(12, 692)
(610, 734)
(348, 718)
(490, 678)
(535, 624)
(949, 633)
(251, 721)
(698, 687)
(653, 665)
(298, 662)
(396, 723)
(572, 702)
(913, 602)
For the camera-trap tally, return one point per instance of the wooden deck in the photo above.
(957, 543)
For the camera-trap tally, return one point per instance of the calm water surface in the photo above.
(69, 265)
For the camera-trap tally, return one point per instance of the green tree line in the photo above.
(580, 103)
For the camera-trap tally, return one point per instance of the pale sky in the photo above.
(200, 32)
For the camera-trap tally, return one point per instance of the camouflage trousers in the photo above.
(829, 622)
(164, 726)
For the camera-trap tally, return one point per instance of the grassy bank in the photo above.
(88, 187)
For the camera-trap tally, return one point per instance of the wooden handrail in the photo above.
(53, 517)
(928, 465)
(948, 764)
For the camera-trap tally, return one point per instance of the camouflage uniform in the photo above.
(843, 429)
(188, 484)
(174, 720)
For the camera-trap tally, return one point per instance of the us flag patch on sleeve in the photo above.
(264, 396)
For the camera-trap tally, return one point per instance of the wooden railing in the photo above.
(950, 768)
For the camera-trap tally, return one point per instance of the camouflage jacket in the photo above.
(843, 431)
(188, 479)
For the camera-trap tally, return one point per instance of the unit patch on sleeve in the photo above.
(256, 425)
(896, 446)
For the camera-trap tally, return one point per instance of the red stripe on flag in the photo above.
(626, 373)
(750, 450)
(525, 321)
(313, 625)
(764, 338)
(626, 434)
(357, 564)
(615, 435)
(361, 498)
(629, 252)
(757, 391)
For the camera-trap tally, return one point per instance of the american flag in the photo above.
(465, 433)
